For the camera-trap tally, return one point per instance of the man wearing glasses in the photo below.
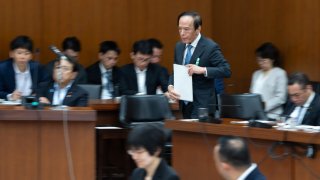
(304, 103)
(142, 77)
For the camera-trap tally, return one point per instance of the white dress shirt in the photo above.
(60, 93)
(247, 172)
(300, 111)
(141, 78)
(105, 93)
(23, 81)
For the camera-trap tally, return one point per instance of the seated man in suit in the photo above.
(105, 72)
(71, 47)
(146, 151)
(304, 103)
(63, 90)
(232, 159)
(19, 75)
(141, 76)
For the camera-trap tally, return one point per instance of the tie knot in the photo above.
(189, 46)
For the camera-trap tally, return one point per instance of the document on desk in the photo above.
(183, 82)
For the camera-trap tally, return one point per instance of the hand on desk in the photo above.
(44, 100)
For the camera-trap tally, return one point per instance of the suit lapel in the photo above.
(134, 76)
(69, 96)
(198, 51)
(180, 52)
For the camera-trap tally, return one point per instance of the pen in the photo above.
(197, 62)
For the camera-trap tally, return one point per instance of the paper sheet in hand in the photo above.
(183, 82)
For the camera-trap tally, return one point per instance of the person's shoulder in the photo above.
(255, 175)
(138, 174)
(279, 70)
(93, 66)
(127, 66)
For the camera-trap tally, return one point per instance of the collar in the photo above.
(139, 71)
(16, 69)
(247, 172)
(56, 85)
(103, 69)
(195, 42)
(310, 99)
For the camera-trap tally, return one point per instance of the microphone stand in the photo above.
(60, 105)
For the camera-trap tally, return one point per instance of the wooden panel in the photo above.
(33, 149)
(238, 26)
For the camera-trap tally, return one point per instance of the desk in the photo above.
(108, 111)
(112, 159)
(33, 143)
(193, 144)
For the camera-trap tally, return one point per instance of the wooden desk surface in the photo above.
(73, 114)
(193, 143)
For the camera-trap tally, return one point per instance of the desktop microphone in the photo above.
(56, 51)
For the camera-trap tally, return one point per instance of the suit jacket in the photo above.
(94, 74)
(255, 175)
(154, 78)
(76, 96)
(312, 116)
(274, 92)
(210, 56)
(81, 76)
(7, 77)
(163, 172)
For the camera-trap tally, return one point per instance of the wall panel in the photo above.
(238, 26)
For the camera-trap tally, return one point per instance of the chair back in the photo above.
(242, 106)
(135, 109)
(93, 90)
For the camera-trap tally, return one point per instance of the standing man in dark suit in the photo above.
(63, 90)
(204, 60)
(105, 72)
(304, 104)
(141, 76)
(232, 159)
(19, 75)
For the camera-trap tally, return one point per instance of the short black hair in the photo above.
(23, 42)
(106, 46)
(299, 78)
(75, 64)
(142, 46)
(150, 136)
(234, 150)
(155, 43)
(269, 50)
(71, 43)
(197, 21)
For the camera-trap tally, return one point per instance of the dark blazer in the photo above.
(81, 76)
(163, 172)
(312, 116)
(255, 175)
(154, 78)
(210, 56)
(94, 74)
(76, 96)
(7, 77)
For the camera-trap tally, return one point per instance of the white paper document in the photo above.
(183, 82)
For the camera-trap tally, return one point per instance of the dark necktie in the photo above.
(188, 55)
(109, 85)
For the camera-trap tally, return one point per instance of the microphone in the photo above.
(56, 51)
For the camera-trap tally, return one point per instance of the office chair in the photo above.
(94, 90)
(138, 109)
